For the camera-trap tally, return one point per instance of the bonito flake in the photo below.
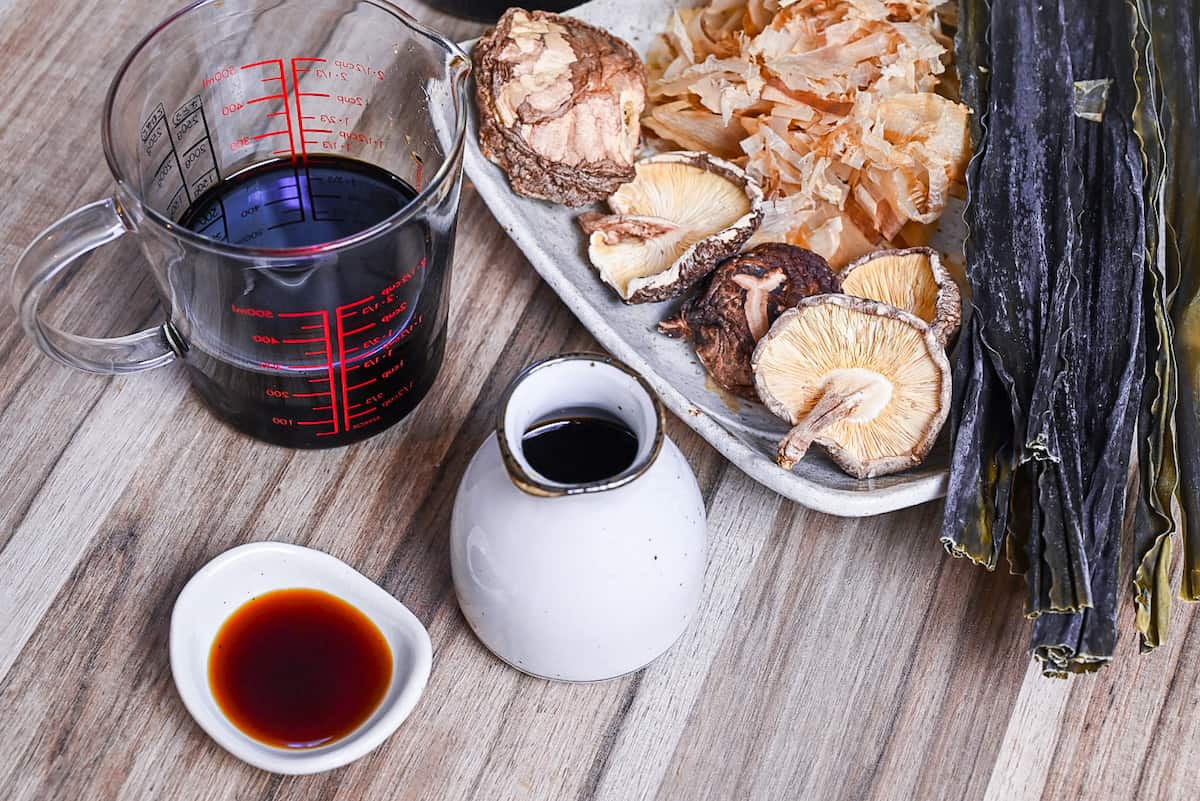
(831, 105)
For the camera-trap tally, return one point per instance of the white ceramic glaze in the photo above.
(745, 433)
(600, 580)
(240, 574)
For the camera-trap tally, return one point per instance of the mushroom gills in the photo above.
(698, 203)
(867, 381)
(850, 395)
(671, 225)
(914, 280)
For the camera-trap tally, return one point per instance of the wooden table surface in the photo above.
(830, 659)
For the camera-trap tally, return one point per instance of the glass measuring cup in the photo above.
(291, 171)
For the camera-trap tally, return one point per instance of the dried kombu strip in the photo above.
(1053, 365)
(1157, 455)
(1097, 407)
(975, 521)
(977, 503)
(1175, 31)
(1020, 280)
(1105, 354)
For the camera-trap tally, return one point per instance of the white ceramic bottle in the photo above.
(578, 582)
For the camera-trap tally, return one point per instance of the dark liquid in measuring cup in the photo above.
(323, 351)
(279, 204)
(299, 668)
(579, 450)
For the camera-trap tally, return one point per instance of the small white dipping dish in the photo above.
(245, 572)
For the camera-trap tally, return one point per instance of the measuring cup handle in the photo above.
(55, 252)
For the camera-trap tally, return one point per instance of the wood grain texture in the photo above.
(831, 659)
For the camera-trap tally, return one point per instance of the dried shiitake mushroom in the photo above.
(867, 381)
(744, 296)
(559, 106)
(672, 224)
(913, 280)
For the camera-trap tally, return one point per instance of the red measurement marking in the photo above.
(219, 75)
(342, 353)
(276, 114)
(341, 339)
(283, 95)
(328, 351)
(329, 363)
(283, 152)
(318, 130)
(269, 134)
(314, 94)
(322, 408)
(326, 433)
(341, 315)
(369, 355)
(296, 71)
(317, 422)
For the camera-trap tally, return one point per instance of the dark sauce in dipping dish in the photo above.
(299, 668)
(579, 450)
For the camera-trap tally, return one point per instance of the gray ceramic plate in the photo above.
(745, 433)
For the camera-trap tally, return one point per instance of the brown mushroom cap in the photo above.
(914, 280)
(865, 380)
(560, 103)
(672, 224)
(743, 297)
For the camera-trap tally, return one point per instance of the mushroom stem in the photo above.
(833, 407)
(619, 228)
(676, 326)
(758, 292)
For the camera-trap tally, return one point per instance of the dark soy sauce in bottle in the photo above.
(579, 450)
(334, 347)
